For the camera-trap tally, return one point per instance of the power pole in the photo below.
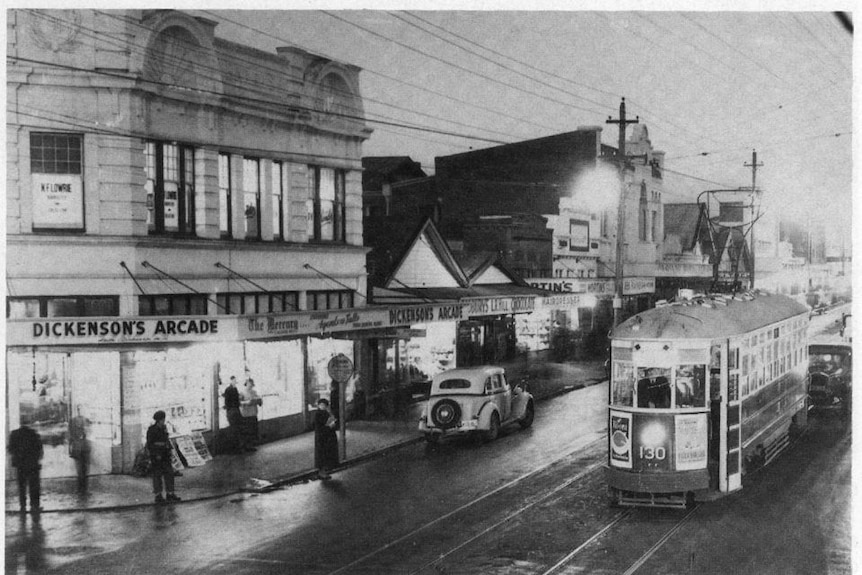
(621, 163)
(753, 165)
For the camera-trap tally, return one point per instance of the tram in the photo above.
(703, 391)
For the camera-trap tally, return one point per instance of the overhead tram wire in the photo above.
(294, 107)
(655, 117)
(835, 57)
(388, 77)
(732, 47)
(245, 86)
(503, 66)
(459, 67)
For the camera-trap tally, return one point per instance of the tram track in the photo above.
(441, 556)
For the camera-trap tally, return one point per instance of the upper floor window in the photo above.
(326, 221)
(251, 197)
(224, 195)
(62, 306)
(257, 302)
(278, 232)
(170, 187)
(338, 299)
(56, 166)
(172, 304)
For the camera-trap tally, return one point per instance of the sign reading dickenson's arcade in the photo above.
(115, 330)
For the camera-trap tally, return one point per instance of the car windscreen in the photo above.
(455, 384)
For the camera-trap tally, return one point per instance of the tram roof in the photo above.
(710, 317)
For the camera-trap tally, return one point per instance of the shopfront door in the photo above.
(96, 397)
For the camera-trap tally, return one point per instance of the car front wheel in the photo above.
(493, 428)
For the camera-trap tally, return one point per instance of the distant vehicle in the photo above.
(476, 400)
(703, 392)
(830, 370)
(847, 327)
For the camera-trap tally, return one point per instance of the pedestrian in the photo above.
(79, 447)
(25, 446)
(325, 439)
(249, 403)
(234, 416)
(160, 448)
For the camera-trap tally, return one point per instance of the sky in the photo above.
(711, 87)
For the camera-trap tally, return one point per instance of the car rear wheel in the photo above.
(529, 414)
(493, 428)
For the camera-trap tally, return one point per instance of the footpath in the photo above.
(291, 460)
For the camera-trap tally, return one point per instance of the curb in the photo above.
(269, 485)
(272, 484)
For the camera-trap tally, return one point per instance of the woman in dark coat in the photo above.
(325, 439)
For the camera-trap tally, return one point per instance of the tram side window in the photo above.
(690, 386)
(653, 389)
(623, 384)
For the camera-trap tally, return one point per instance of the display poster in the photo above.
(58, 201)
(201, 446)
(186, 447)
(176, 462)
(690, 434)
(620, 426)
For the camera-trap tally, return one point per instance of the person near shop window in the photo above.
(325, 439)
(79, 447)
(234, 417)
(25, 446)
(159, 447)
(249, 402)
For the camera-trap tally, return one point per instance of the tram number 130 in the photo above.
(653, 452)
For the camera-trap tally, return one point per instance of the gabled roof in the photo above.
(477, 264)
(429, 236)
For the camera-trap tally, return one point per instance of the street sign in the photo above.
(340, 368)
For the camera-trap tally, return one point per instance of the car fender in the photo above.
(519, 404)
(485, 414)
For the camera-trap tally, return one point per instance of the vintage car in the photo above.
(830, 374)
(475, 400)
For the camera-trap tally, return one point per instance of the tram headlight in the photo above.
(653, 434)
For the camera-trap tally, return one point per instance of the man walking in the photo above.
(25, 445)
(234, 415)
(159, 447)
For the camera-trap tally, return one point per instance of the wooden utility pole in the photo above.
(753, 165)
(621, 164)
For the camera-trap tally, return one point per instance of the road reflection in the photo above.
(26, 548)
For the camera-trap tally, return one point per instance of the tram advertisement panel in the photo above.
(690, 441)
(621, 439)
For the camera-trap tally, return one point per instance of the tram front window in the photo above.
(690, 389)
(653, 389)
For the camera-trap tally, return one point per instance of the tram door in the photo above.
(714, 427)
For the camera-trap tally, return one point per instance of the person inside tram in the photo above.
(654, 392)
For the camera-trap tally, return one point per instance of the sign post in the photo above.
(340, 369)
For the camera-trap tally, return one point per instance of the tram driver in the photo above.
(654, 390)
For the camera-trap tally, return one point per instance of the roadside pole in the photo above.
(340, 369)
(621, 159)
